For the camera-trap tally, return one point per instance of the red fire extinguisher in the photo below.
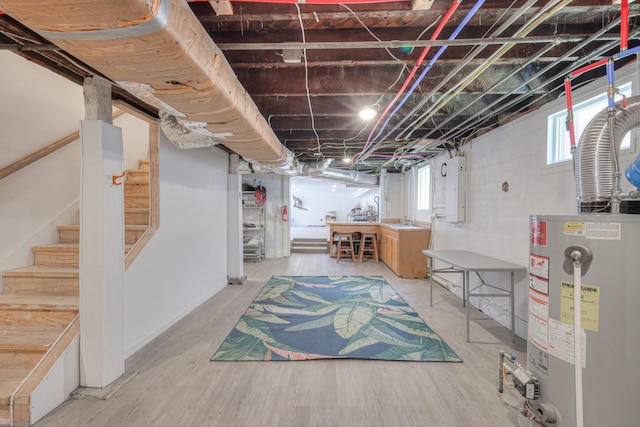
(285, 213)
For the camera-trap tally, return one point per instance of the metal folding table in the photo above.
(464, 262)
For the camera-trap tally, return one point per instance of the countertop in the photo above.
(391, 226)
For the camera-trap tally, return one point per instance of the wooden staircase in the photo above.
(39, 302)
(308, 245)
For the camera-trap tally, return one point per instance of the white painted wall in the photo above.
(497, 222)
(60, 381)
(37, 108)
(393, 195)
(321, 196)
(186, 260)
(135, 137)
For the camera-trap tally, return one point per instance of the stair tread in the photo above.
(13, 374)
(127, 209)
(40, 301)
(18, 336)
(63, 247)
(43, 271)
(127, 226)
(57, 247)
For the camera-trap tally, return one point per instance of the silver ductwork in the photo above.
(315, 170)
(596, 158)
(349, 176)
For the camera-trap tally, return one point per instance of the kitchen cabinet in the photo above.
(399, 246)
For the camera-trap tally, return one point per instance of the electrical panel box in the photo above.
(455, 189)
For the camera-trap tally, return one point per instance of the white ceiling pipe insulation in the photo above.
(159, 45)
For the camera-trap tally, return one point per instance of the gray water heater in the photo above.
(610, 318)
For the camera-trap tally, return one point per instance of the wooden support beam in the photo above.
(222, 7)
(421, 4)
(97, 99)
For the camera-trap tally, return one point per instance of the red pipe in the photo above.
(307, 1)
(570, 126)
(434, 36)
(589, 67)
(624, 25)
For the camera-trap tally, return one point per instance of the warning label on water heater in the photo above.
(589, 301)
(593, 230)
(562, 342)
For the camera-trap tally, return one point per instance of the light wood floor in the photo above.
(177, 385)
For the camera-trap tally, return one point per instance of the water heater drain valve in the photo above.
(524, 381)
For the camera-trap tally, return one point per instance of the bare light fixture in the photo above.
(367, 113)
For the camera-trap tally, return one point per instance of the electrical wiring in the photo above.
(434, 36)
(505, 378)
(455, 33)
(404, 67)
(503, 102)
(372, 34)
(457, 69)
(541, 15)
(498, 84)
(306, 79)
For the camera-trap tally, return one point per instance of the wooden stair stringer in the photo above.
(140, 189)
(21, 398)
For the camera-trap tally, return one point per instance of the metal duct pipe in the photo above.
(314, 170)
(594, 162)
(349, 176)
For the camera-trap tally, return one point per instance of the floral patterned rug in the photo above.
(328, 317)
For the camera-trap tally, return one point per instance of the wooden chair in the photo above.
(345, 245)
(369, 245)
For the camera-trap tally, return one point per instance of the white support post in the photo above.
(235, 266)
(101, 244)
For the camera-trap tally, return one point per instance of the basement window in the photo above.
(424, 188)
(558, 143)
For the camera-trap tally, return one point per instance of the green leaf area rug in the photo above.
(320, 317)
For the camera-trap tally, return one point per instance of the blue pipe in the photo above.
(453, 35)
(611, 90)
(627, 53)
(633, 172)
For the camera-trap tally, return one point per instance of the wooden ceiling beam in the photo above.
(222, 7)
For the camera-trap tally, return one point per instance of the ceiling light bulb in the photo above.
(347, 160)
(367, 113)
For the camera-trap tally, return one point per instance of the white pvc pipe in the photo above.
(577, 323)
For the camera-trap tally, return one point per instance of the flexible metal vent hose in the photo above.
(594, 162)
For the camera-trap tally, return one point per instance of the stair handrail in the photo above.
(44, 151)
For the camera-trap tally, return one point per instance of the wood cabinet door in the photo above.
(393, 254)
(384, 248)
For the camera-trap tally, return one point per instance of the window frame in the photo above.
(583, 100)
(424, 170)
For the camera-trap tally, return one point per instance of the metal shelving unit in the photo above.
(253, 228)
